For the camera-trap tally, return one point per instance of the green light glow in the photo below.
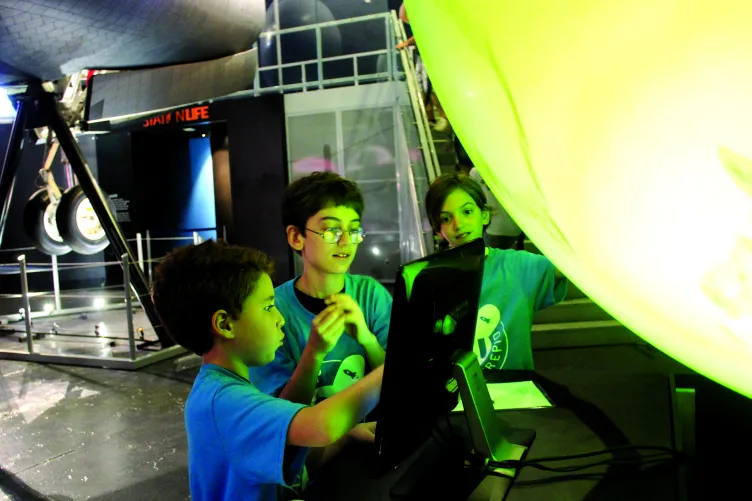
(619, 136)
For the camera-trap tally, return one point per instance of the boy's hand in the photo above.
(364, 432)
(326, 329)
(354, 319)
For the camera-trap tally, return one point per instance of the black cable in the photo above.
(559, 478)
(608, 462)
(516, 463)
(530, 462)
(660, 455)
(563, 478)
(451, 440)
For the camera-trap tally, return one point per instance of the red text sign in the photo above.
(193, 114)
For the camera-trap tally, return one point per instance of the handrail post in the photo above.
(278, 45)
(389, 48)
(419, 109)
(128, 306)
(26, 305)
(140, 251)
(56, 284)
(319, 55)
(148, 253)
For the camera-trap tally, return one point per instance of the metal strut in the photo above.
(39, 107)
(12, 161)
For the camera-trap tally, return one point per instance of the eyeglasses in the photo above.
(333, 235)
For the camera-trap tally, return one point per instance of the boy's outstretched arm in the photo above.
(318, 457)
(329, 421)
(326, 329)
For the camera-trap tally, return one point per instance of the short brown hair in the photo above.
(306, 196)
(195, 281)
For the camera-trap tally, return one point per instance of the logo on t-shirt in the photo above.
(491, 342)
(350, 370)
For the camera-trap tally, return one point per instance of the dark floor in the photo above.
(81, 433)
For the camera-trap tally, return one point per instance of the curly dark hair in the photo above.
(442, 187)
(195, 281)
(306, 196)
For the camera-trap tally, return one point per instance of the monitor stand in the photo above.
(489, 439)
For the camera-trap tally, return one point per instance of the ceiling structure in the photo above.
(50, 39)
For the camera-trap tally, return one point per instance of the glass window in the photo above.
(382, 209)
(368, 143)
(378, 256)
(312, 144)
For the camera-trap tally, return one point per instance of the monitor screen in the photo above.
(433, 316)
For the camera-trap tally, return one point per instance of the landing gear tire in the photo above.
(78, 223)
(39, 220)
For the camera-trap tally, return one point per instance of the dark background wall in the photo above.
(156, 173)
(258, 176)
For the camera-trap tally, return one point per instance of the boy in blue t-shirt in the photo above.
(321, 214)
(217, 300)
(516, 284)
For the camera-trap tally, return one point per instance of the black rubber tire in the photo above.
(33, 221)
(69, 229)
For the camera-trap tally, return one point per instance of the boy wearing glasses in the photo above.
(321, 214)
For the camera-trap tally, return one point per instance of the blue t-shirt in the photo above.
(346, 363)
(516, 284)
(237, 439)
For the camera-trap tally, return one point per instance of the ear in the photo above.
(222, 325)
(295, 238)
(486, 215)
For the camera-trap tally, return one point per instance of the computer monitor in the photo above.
(433, 316)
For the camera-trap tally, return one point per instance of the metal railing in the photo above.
(319, 61)
(59, 306)
(143, 243)
(418, 106)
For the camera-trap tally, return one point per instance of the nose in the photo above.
(344, 239)
(280, 319)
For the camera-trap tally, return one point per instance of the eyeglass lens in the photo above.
(332, 235)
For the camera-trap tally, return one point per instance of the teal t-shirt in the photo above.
(346, 363)
(516, 284)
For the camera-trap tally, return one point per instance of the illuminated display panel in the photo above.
(619, 136)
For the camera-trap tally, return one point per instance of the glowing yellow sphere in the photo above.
(619, 136)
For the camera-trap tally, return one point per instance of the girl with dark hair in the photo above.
(516, 284)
